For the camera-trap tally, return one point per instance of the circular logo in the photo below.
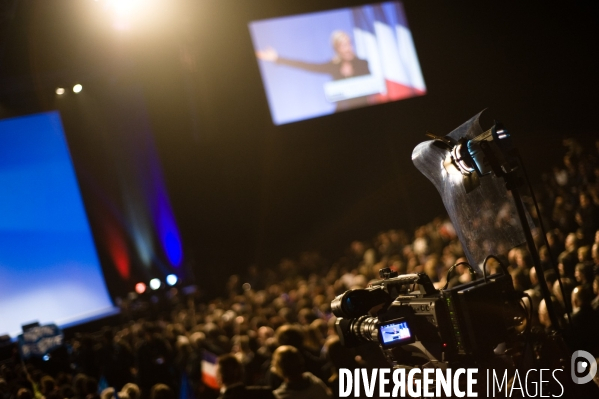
(580, 366)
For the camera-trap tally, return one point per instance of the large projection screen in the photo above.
(49, 267)
(325, 62)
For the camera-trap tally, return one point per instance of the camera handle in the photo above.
(422, 279)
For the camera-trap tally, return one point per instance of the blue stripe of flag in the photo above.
(364, 18)
(391, 13)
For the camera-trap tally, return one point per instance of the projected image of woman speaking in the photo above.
(321, 63)
(345, 64)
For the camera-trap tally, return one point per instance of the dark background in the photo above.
(247, 192)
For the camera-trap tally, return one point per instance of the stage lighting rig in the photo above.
(140, 288)
(126, 14)
(489, 152)
(171, 279)
(155, 283)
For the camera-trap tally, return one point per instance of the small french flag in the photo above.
(383, 38)
(209, 369)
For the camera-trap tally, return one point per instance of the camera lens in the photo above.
(365, 329)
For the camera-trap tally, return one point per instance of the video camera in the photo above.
(484, 323)
(464, 323)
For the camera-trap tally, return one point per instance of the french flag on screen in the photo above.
(209, 369)
(382, 37)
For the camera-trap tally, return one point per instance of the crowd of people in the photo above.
(272, 333)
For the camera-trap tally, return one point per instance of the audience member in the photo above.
(230, 378)
(278, 329)
(287, 363)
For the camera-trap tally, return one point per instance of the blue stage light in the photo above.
(171, 279)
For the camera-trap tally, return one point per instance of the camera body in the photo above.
(464, 323)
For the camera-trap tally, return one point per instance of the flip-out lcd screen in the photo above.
(395, 333)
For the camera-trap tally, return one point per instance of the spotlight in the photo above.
(124, 12)
(155, 283)
(60, 91)
(171, 279)
(77, 88)
(140, 288)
